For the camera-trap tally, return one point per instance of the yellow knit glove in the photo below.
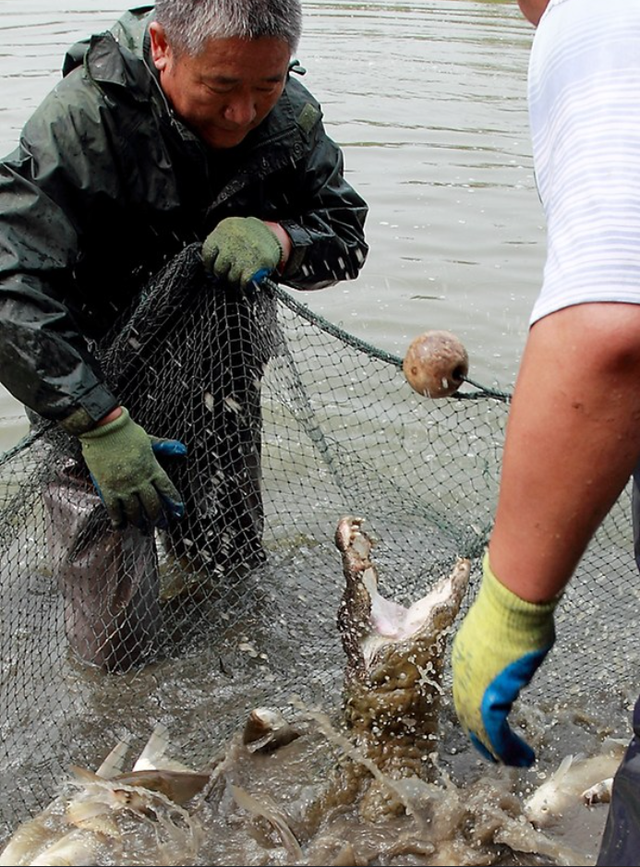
(498, 648)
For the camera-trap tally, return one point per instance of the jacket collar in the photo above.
(123, 68)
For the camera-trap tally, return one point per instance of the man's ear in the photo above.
(160, 48)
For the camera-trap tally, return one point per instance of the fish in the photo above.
(384, 763)
(87, 814)
(266, 808)
(577, 779)
(267, 729)
(598, 793)
(394, 665)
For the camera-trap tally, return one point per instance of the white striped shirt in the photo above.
(584, 110)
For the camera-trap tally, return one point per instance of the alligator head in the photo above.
(395, 658)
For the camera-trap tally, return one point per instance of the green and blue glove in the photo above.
(241, 250)
(121, 458)
(501, 643)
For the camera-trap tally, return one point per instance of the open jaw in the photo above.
(373, 627)
(393, 672)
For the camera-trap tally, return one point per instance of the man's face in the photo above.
(225, 91)
(533, 9)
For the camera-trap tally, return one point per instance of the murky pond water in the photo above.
(428, 100)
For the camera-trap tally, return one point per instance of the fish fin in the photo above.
(565, 764)
(114, 762)
(150, 759)
(153, 757)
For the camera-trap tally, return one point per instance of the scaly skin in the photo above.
(394, 665)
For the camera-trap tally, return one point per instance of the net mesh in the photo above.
(290, 423)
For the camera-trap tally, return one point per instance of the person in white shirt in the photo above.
(573, 435)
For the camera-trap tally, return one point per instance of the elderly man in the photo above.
(185, 124)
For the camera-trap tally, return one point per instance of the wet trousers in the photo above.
(194, 376)
(620, 845)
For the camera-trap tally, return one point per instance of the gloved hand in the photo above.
(133, 486)
(500, 644)
(241, 250)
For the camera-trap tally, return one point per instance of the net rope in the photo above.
(290, 423)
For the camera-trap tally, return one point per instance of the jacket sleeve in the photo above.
(44, 361)
(328, 236)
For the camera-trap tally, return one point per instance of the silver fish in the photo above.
(267, 729)
(577, 779)
(88, 814)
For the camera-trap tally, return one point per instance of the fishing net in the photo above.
(290, 423)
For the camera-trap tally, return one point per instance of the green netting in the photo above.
(339, 431)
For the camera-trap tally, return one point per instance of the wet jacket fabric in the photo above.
(107, 185)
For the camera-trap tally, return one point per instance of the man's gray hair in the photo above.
(189, 23)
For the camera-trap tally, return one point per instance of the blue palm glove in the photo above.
(496, 652)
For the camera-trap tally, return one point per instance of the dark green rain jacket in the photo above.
(107, 184)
